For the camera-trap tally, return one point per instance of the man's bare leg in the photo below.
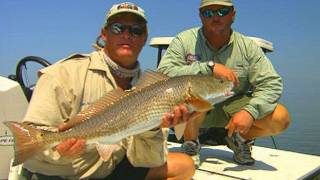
(192, 129)
(179, 166)
(273, 124)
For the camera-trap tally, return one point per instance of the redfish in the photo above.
(120, 114)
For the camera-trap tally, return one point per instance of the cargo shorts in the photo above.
(222, 112)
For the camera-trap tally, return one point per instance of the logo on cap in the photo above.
(127, 6)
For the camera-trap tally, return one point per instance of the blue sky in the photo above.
(56, 29)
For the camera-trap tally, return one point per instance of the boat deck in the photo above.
(217, 163)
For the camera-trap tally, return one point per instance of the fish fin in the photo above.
(97, 107)
(105, 150)
(198, 103)
(150, 77)
(28, 141)
(179, 130)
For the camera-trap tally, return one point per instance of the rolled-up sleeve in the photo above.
(49, 107)
(44, 108)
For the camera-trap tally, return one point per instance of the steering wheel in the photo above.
(21, 74)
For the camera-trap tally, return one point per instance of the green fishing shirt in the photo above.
(189, 52)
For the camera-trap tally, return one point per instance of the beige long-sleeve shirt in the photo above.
(64, 89)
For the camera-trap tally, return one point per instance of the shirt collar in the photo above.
(97, 61)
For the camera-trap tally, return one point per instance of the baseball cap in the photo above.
(125, 7)
(216, 2)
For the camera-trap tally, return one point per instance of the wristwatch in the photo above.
(211, 64)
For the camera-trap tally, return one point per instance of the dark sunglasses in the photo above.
(135, 30)
(208, 13)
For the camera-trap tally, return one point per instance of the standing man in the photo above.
(215, 48)
(70, 85)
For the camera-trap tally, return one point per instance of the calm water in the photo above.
(303, 102)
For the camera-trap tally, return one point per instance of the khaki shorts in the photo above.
(222, 112)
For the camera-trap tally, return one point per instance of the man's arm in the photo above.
(46, 109)
(267, 89)
(267, 86)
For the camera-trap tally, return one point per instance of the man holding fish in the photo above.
(76, 84)
(215, 48)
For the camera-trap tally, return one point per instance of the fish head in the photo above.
(212, 89)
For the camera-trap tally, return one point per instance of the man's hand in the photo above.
(241, 122)
(71, 147)
(222, 72)
(179, 115)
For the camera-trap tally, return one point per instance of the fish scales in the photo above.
(134, 112)
(149, 105)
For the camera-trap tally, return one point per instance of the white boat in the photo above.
(13, 105)
(216, 161)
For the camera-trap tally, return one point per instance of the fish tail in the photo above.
(28, 141)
